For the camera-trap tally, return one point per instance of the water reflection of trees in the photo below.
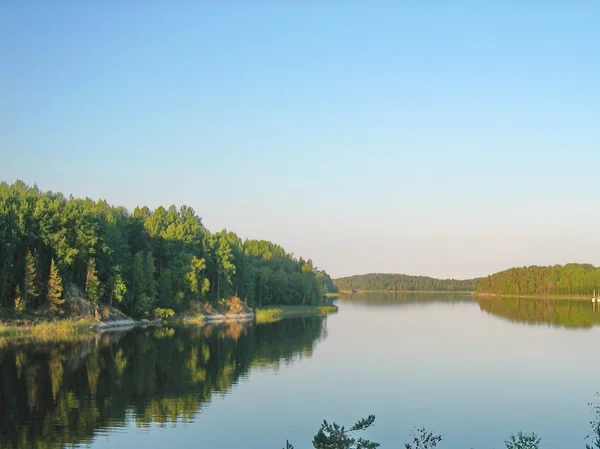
(556, 312)
(54, 395)
(400, 298)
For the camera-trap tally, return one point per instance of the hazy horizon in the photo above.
(450, 141)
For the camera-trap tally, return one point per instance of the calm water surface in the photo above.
(474, 371)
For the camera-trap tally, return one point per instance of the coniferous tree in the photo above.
(225, 266)
(150, 287)
(92, 283)
(31, 291)
(55, 288)
(20, 305)
(139, 279)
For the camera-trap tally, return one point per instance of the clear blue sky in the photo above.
(448, 139)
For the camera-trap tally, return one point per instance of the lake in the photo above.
(471, 370)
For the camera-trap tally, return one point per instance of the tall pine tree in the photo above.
(30, 292)
(55, 289)
(92, 283)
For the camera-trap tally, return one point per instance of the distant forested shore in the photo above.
(556, 280)
(569, 281)
(402, 282)
(51, 246)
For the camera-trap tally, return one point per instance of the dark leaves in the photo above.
(334, 436)
(421, 439)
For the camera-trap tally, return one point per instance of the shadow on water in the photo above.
(62, 394)
(554, 312)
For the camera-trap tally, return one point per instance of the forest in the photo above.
(137, 261)
(403, 282)
(570, 279)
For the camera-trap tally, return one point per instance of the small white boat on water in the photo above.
(594, 297)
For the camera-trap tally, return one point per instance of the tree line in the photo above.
(570, 279)
(51, 245)
(402, 282)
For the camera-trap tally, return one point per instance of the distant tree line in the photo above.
(570, 279)
(403, 282)
(136, 261)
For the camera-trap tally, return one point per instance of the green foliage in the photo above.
(31, 291)
(163, 313)
(570, 279)
(49, 331)
(92, 283)
(523, 441)
(119, 288)
(198, 285)
(402, 283)
(55, 289)
(268, 315)
(334, 436)
(142, 260)
(225, 266)
(20, 305)
(272, 314)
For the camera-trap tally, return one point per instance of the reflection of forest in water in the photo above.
(52, 395)
(556, 312)
(403, 298)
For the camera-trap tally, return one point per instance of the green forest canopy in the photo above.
(570, 279)
(137, 261)
(402, 282)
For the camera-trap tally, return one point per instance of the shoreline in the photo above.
(69, 327)
(276, 313)
(360, 292)
(202, 319)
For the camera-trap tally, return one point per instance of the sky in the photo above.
(450, 139)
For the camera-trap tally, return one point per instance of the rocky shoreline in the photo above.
(229, 317)
(125, 324)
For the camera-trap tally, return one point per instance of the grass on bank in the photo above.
(195, 320)
(272, 314)
(65, 329)
(62, 328)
